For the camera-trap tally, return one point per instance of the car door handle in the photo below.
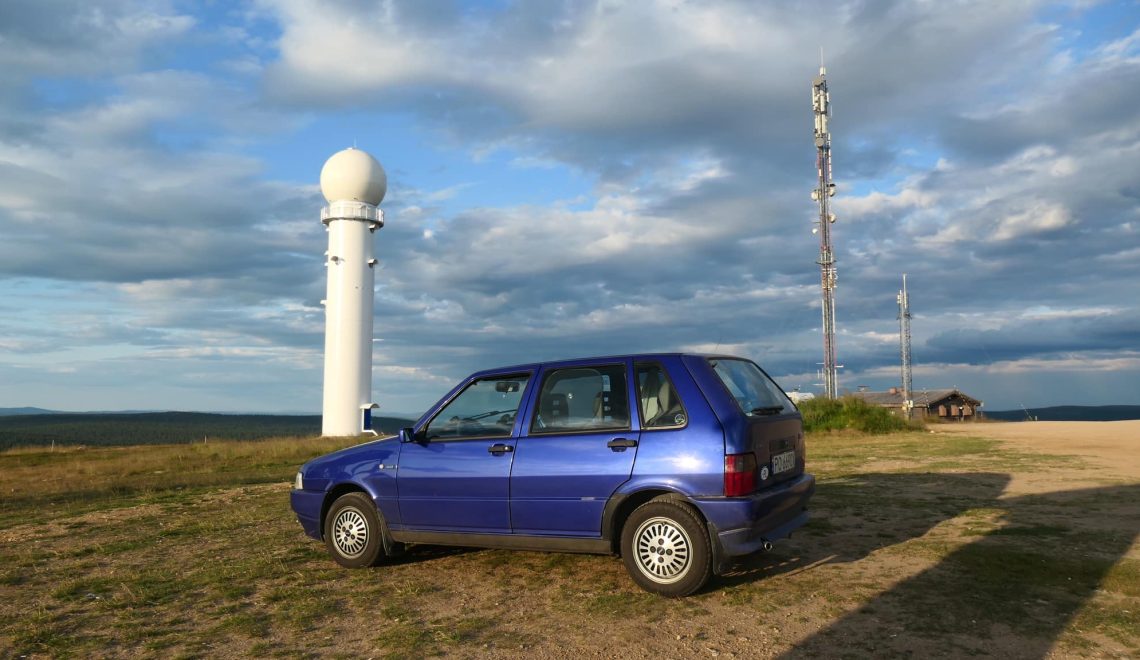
(500, 448)
(619, 444)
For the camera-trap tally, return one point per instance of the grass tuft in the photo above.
(851, 414)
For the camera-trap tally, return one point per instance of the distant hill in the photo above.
(5, 412)
(1069, 414)
(18, 430)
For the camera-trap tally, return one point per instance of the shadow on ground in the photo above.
(1036, 561)
(856, 515)
(417, 553)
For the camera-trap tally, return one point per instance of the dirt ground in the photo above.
(1113, 446)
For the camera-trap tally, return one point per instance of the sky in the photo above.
(566, 179)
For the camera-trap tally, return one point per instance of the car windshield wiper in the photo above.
(472, 418)
(767, 410)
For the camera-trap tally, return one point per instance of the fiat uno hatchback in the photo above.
(677, 463)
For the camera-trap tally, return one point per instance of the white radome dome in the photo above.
(353, 175)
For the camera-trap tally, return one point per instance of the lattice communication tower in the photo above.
(904, 347)
(821, 104)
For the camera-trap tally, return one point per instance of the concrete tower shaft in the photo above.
(354, 184)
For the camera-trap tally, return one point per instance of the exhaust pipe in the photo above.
(767, 546)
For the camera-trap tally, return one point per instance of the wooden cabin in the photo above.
(948, 405)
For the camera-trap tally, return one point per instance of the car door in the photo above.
(455, 475)
(578, 447)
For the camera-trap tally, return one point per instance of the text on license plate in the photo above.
(783, 462)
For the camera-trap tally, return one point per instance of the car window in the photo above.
(756, 393)
(658, 400)
(486, 408)
(583, 399)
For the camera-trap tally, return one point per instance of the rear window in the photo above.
(754, 391)
(660, 406)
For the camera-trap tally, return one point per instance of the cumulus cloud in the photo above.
(1036, 219)
(632, 81)
(76, 37)
(876, 203)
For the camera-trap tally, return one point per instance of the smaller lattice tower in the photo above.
(904, 347)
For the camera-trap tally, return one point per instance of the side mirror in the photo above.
(407, 434)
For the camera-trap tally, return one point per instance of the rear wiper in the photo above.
(767, 410)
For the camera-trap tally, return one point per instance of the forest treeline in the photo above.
(105, 429)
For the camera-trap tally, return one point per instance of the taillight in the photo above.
(739, 474)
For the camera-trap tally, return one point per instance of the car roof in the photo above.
(570, 362)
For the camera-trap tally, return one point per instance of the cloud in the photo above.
(161, 193)
(78, 37)
(877, 203)
(1034, 220)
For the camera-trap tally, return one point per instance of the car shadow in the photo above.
(1037, 560)
(415, 553)
(856, 515)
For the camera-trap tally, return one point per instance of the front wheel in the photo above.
(352, 531)
(665, 547)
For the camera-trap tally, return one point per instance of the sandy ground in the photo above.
(1113, 446)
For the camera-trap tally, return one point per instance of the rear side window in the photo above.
(659, 404)
(753, 390)
(485, 408)
(583, 399)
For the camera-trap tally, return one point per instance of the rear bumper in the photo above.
(742, 525)
(307, 505)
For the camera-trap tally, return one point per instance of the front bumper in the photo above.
(742, 525)
(307, 505)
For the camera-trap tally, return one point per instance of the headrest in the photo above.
(663, 393)
(652, 385)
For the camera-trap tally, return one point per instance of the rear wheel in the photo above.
(352, 531)
(665, 547)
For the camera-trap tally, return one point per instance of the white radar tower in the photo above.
(353, 183)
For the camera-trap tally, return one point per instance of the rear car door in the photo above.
(578, 447)
(455, 476)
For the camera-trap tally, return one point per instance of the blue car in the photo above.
(678, 463)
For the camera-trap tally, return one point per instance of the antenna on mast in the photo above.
(904, 348)
(821, 105)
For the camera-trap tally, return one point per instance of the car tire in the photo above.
(665, 547)
(353, 531)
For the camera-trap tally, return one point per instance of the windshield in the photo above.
(754, 391)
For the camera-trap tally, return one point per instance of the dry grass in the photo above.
(66, 481)
(918, 547)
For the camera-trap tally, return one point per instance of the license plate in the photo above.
(783, 462)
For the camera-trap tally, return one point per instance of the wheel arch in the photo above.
(620, 506)
(334, 494)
